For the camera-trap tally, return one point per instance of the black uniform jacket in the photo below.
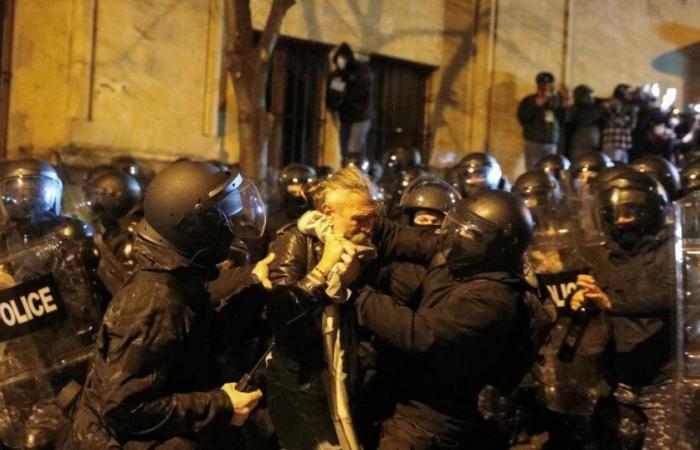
(153, 380)
(453, 341)
(640, 284)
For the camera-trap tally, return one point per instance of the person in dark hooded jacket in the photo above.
(349, 94)
(153, 384)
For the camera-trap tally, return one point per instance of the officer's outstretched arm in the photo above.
(396, 241)
(453, 320)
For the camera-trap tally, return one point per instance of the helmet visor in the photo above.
(30, 196)
(624, 208)
(243, 207)
(469, 226)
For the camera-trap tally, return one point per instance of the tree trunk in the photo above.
(248, 66)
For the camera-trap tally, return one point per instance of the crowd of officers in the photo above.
(424, 309)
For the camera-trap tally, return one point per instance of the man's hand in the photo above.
(333, 250)
(589, 290)
(262, 271)
(352, 270)
(243, 402)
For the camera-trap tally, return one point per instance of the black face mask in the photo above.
(463, 256)
(295, 205)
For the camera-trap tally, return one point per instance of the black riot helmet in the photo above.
(400, 159)
(478, 171)
(294, 182)
(691, 177)
(358, 160)
(324, 172)
(663, 170)
(537, 189)
(197, 210)
(30, 190)
(632, 205)
(408, 176)
(430, 195)
(97, 171)
(488, 231)
(111, 195)
(588, 165)
(554, 165)
(128, 164)
(608, 174)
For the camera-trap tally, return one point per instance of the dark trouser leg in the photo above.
(344, 134)
(358, 136)
(299, 412)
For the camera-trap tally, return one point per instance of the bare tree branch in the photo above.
(272, 27)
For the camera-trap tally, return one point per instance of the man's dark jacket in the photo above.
(532, 118)
(153, 381)
(354, 104)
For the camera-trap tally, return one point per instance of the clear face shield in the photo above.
(475, 179)
(624, 209)
(30, 197)
(470, 227)
(240, 202)
(540, 198)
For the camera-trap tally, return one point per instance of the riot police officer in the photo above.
(478, 171)
(587, 166)
(358, 160)
(634, 281)
(114, 201)
(456, 340)
(131, 166)
(152, 383)
(393, 187)
(294, 182)
(663, 170)
(537, 188)
(426, 201)
(112, 195)
(690, 177)
(46, 345)
(555, 165)
(31, 193)
(567, 390)
(400, 159)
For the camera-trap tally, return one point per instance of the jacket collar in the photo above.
(153, 257)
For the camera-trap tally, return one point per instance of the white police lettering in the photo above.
(28, 307)
(560, 292)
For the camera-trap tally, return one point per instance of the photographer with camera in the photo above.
(540, 115)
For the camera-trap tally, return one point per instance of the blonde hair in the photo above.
(349, 179)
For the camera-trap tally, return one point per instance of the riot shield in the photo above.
(559, 253)
(48, 317)
(687, 316)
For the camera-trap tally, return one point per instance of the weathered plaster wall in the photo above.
(607, 42)
(118, 76)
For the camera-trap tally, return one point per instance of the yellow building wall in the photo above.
(116, 76)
